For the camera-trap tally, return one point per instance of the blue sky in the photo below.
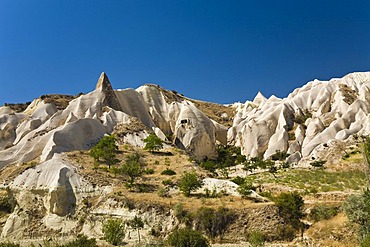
(219, 51)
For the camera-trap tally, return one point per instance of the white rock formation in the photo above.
(56, 184)
(330, 110)
(42, 130)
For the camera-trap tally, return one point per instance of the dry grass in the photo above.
(10, 172)
(171, 158)
(18, 107)
(215, 111)
(349, 95)
(212, 110)
(335, 232)
(61, 101)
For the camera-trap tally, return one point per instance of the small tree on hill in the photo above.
(114, 231)
(213, 222)
(189, 182)
(290, 206)
(153, 143)
(136, 223)
(106, 150)
(357, 209)
(132, 168)
(245, 189)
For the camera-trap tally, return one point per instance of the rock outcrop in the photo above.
(44, 129)
(315, 114)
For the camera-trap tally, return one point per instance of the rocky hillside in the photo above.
(311, 116)
(54, 188)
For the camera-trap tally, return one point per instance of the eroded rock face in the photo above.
(178, 117)
(47, 191)
(312, 115)
(57, 180)
(43, 129)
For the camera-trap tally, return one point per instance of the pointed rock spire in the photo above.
(103, 83)
(104, 86)
(259, 99)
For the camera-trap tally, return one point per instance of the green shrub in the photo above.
(153, 143)
(286, 232)
(149, 171)
(187, 238)
(280, 155)
(213, 193)
(226, 156)
(256, 239)
(258, 163)
(245, 189)
(323, 212)
(290, 207)
(209, 165)
(163, 192)
(179, 212)
(266, 194)
(168, 172)
(302, 117)
(189, 182)
(6, 204)
(213, 222)
(114, 231)
(357, 209)
(81, 241)
(168, 182)
(238, 180)
(105, 149)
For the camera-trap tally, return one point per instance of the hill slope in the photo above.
(55, 188)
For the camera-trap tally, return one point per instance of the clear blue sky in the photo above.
(220, 51)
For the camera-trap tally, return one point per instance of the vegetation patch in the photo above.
(313, 181)
(349, 94)
(187, 238)
(227, 156)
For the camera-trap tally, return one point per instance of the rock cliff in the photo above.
(311, 116)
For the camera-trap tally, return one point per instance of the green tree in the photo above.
(132, 168)
(189, 182)
(290, 206)
(213, 222)
(106, 150)
(114, 231)
(153, 143)
(254, 163)
(323, 212)
(245, 189)
(226, 156)
(136, 223)
(187, 238)
(357, 209)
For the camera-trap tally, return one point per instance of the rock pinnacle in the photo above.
(104, 86)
